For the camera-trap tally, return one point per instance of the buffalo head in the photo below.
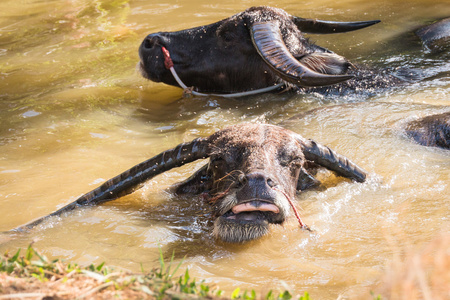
(254, 49)
(253, 172)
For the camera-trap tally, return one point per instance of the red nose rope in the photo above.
(297, 215)
(168, 63)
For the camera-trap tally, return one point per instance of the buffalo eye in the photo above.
(228, 35)
(218, 166)
(216, 161)
(228, 32)
(286, 160)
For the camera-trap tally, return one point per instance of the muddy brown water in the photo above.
(74, 112)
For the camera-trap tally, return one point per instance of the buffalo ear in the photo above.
(196, 184)
(326, 63)
(323, 27)
(306, 181)
(268, 41)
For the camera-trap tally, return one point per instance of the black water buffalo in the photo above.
(258, 48)
(433, 131)
(436, 36)
(253, 173)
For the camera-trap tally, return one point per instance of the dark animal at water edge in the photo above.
(436, 37)
(258, 48)
(253, 173)
(433, 131)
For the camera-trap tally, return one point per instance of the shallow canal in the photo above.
(74, 112)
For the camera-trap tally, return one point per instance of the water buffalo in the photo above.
(255, 49)
(436, 37)
(253, 173)
(433, 131)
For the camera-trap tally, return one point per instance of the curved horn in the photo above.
(128, 181)
(267, 39)
(323, 27)
(324, 156)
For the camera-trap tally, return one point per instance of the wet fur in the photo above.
(229, 45)
(253, 172)
(432, 131)
(246, 149)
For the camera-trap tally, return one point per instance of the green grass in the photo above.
(160, 283)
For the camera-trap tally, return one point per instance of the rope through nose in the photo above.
(168, 63)
(297, 215)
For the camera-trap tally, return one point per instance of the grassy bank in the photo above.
(29, 274)
(413, 273)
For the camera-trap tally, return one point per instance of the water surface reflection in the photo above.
(74, 112)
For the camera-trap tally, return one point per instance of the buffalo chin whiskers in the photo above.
(231, 232)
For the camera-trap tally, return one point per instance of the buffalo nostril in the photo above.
(148, 43)
(271, 183)
(258, 185)
(242, 179)
(151, 40)
(257, 177)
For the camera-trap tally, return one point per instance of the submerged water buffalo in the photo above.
(436, 37)
(255, 49)
(432, 131)
(253, 172)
